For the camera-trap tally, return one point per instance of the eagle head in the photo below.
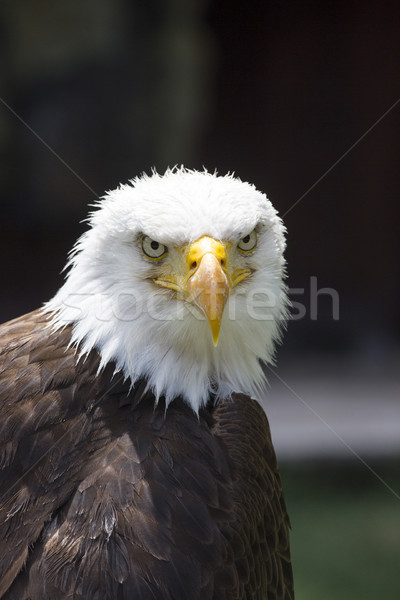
(180, 281)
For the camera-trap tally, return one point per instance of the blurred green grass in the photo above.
(345, 537)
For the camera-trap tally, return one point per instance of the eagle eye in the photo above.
(153, 249)
(248, 242)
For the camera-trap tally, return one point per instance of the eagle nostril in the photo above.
(193, 265)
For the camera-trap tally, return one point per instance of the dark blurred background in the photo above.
(277, 92)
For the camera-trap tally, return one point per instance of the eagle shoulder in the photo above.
(40, 405)
(260, 530)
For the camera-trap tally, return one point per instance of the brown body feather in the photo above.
(104, 496)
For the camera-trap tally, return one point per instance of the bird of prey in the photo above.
(135, 463)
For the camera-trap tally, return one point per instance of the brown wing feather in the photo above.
(40, 411)
(103, 496)
(260, 531)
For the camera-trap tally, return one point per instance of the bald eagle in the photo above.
(134, 462)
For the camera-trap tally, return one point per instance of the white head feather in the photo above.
(115, 307)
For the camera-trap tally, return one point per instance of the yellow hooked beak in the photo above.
(204, 276)
(209, 286)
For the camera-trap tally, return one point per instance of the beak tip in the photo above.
(215, 329)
